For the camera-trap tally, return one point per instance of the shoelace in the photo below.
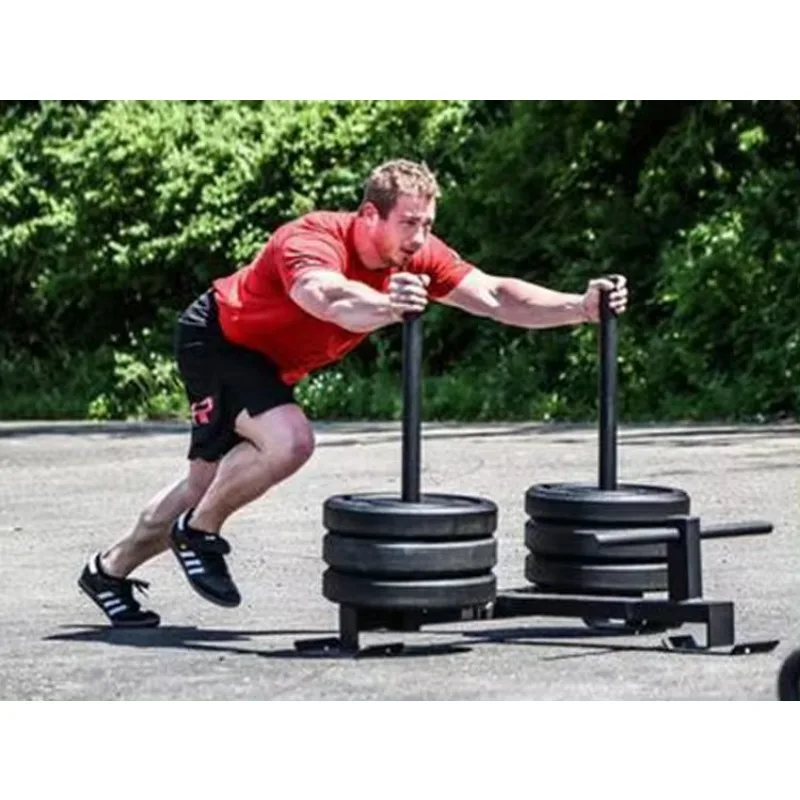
(136, 583)
(129, 585)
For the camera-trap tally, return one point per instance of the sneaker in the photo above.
(114, 596)
(201, 556)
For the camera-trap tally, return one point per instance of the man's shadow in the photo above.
(189, 637)
(221, 641)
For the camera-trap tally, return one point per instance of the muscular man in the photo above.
(320, 285)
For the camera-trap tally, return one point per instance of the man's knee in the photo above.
(302, 444)
(285, 454)
(283, 435)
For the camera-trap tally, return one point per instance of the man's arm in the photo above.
(353, 305)
(516, 302)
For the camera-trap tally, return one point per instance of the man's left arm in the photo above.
(516, 302)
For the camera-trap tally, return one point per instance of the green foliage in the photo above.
(730, 335)
(114, 215)
(692, 202)
(110, 216)
(146, 385)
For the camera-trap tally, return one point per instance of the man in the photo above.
(320, 285)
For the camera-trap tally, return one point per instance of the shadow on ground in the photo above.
(221, 641)
(217, 641)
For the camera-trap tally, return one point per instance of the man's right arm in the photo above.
(351, 305)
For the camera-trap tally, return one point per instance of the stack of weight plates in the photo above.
(565, 557)
(383, 552)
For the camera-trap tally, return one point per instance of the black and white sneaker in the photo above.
(114, 596)
(201, 556)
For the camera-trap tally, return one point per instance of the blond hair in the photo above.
(393, 178)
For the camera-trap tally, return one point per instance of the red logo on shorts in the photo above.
(201, 411)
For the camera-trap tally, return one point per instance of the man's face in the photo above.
(405, 230)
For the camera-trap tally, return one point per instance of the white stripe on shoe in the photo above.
(191, 563)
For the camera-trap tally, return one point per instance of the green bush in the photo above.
(114, 215)
(693, 202)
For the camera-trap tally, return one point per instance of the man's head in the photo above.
(398, 210)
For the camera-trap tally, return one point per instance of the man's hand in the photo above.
(617, 300)
(408, 293)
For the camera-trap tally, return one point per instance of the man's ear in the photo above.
(369, 211)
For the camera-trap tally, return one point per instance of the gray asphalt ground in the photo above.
(66, 490)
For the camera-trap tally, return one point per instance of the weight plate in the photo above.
(573, 541)
(384, 558)
(582, 502)
(570, 577)
(789, 677)
(436, 516)
(377, 593)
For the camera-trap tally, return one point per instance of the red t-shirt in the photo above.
(255, 309)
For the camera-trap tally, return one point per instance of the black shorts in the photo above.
(221, 379)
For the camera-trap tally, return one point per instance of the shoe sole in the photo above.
(205, 595)
(147, 624)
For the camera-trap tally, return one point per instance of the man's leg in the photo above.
(104, 578)
(276, 443)
(150, 535)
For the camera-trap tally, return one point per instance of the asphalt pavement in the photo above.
(69, 489)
